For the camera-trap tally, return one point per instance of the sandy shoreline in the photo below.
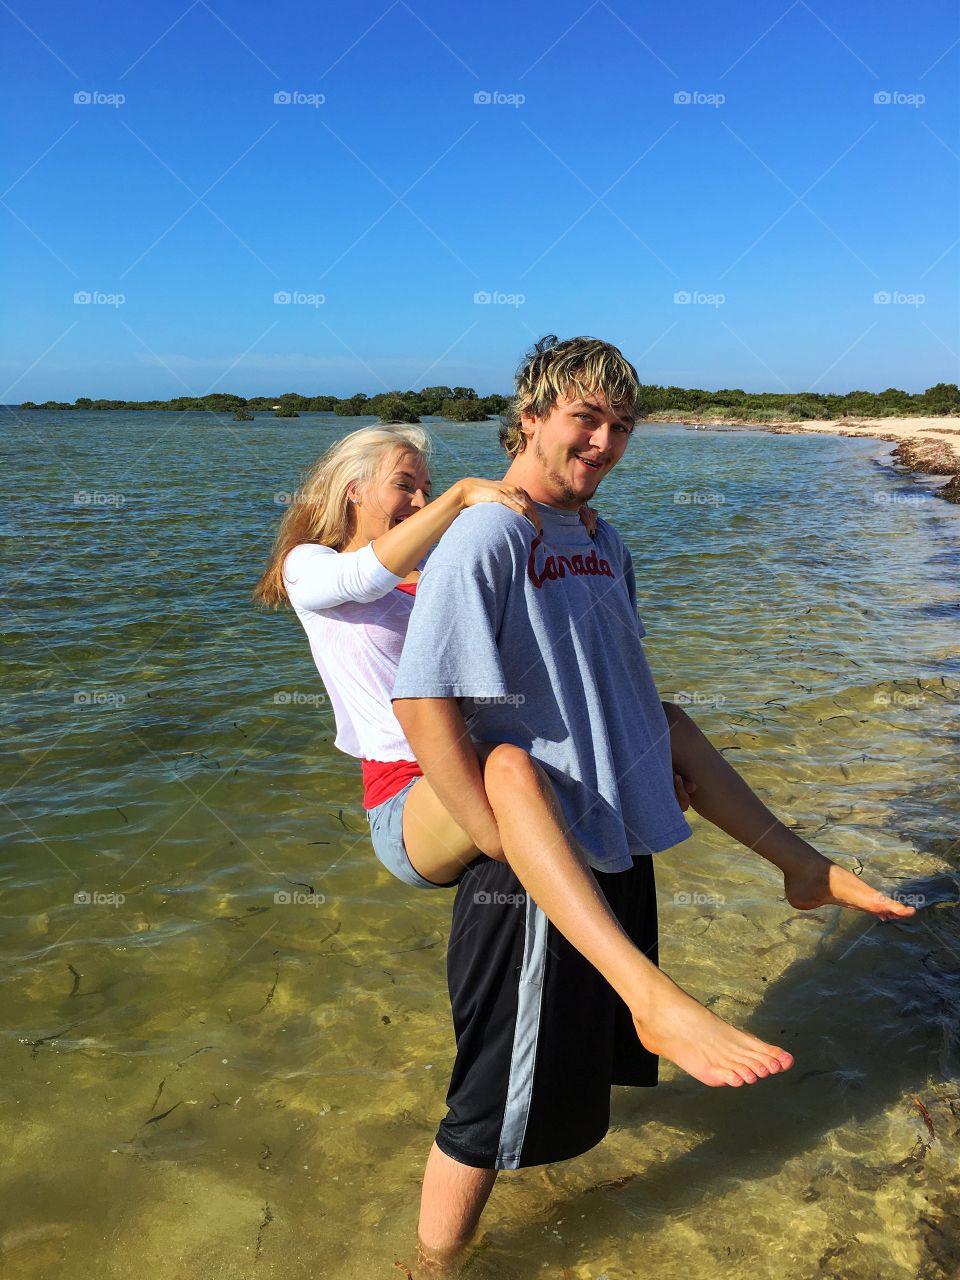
(928, 445)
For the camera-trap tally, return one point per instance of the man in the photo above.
(552, 955)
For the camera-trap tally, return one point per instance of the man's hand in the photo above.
(684, 789)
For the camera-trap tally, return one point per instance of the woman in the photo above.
(346, 559)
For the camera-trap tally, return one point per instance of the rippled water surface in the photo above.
(199, 1080)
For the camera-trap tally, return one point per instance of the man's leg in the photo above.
(451, 1202)
(724, 798)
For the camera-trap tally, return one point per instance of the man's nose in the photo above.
(601, 437)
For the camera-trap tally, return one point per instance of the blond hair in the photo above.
(553, 369)
(320, 509)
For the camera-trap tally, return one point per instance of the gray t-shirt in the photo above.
(539, 639)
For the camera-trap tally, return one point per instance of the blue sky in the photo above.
(579, 197)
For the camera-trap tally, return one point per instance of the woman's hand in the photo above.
(588, 518)
(473, 490)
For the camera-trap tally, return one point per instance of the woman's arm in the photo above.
(403, 547)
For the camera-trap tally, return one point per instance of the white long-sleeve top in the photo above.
(356, 623)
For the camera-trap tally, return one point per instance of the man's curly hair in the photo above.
(552, 369)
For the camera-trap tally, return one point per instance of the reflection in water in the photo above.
(229, 1057)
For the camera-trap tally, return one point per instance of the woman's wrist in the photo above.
(457, 493)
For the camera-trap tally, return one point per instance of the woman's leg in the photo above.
(723, 798)
(553, 871)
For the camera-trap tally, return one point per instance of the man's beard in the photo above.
(562, 484)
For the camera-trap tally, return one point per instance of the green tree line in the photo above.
(462, 404)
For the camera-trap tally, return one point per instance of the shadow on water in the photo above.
(894, 1026)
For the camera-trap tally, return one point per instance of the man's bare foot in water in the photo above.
(820, 883)
(675, 1026)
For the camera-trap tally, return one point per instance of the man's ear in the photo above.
(528, 422)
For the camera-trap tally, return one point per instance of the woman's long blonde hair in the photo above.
(320, 510)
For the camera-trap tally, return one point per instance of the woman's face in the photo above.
(400, 487)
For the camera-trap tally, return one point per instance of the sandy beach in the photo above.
(928, 445)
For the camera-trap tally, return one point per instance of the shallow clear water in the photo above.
(199, 1080)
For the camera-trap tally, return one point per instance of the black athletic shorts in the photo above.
(541, 1036)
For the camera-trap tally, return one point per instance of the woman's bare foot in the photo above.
(821, 883)
(675, 1026)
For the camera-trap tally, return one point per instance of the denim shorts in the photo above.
(386, 832)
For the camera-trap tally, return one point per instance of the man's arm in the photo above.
(437, 732)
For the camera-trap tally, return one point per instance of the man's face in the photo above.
(576, 444)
